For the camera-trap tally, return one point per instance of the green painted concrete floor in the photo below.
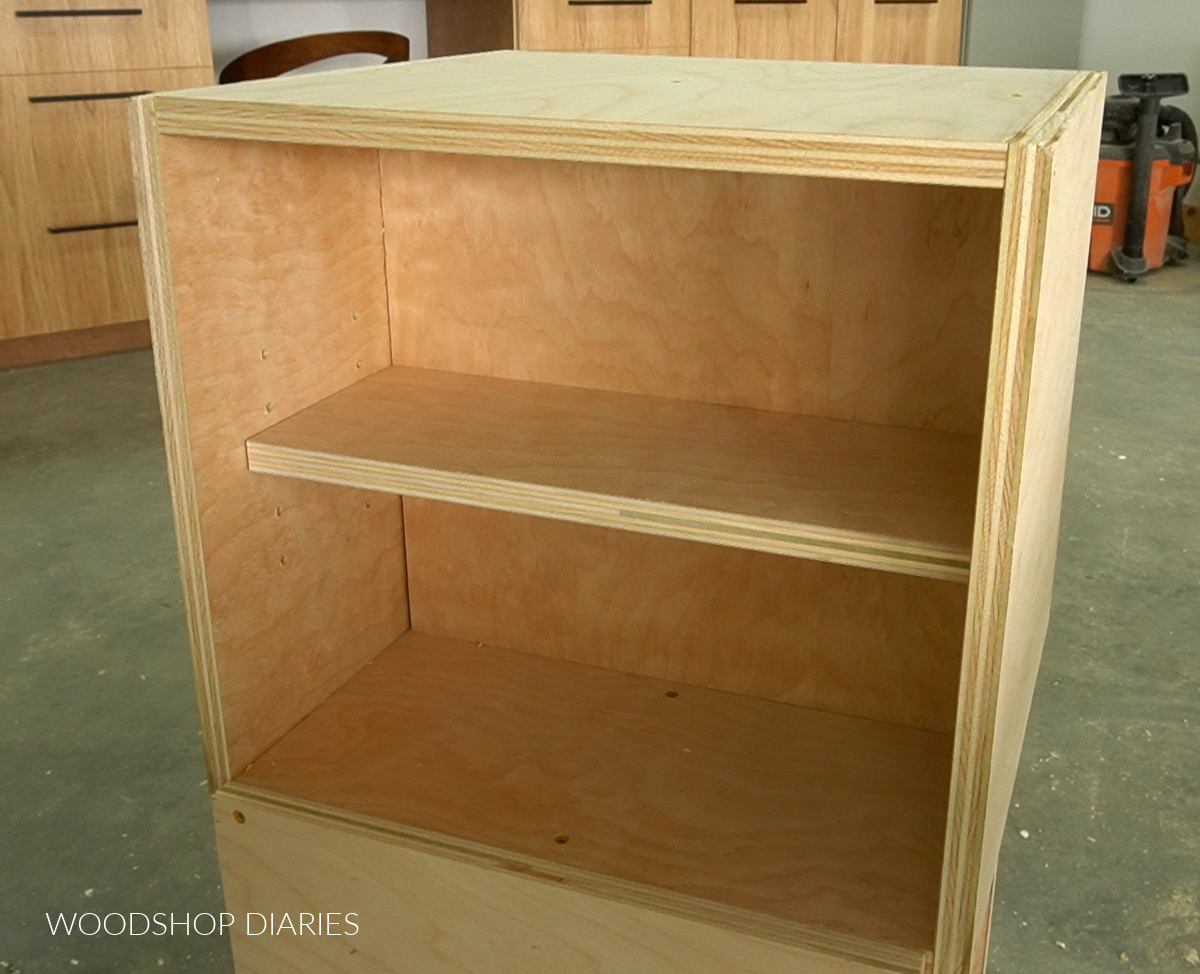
(102, 802)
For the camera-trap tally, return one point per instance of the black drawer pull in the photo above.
(80, 227)
(92, 96)
(609, 3)
(109, 12)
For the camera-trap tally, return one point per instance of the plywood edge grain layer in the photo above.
(755, 534)
(181, 474)
(407, 859)
(755, 479)
(833, 838)
(874, 159)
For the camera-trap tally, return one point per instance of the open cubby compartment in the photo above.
(674, 596)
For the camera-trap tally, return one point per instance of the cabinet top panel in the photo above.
(902, 122)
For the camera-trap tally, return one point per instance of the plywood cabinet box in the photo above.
(617, 497)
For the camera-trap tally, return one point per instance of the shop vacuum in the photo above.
(1147, 164)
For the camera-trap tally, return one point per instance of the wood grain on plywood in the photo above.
(146, 34)
(836, 491)
(818, 818)
(70, 256)
(894, 31)
(857, 301)
(617, 26)
(801, 30)
(848, 640)
(303, 582)
(880, 122)
(1043, 260)
(458, 912)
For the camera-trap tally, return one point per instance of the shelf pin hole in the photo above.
(562, 838)
(672, 693)
(239, 817)
(283, 559)
(263, 353)
(279, 512)
(358, 364)
(268, 407)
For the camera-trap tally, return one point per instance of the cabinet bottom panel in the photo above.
(384, 904)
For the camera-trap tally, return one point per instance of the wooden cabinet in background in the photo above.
(900, 31)
(70, 270)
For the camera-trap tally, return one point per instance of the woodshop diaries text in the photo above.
(203, 924)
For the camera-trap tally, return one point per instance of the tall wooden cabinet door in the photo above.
(621, 26)
(900, 31)
(799, 30)
(69, 218)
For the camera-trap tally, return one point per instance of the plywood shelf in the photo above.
(829, 821)
(850, 493)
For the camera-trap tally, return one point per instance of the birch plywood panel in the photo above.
(801, 30)
(853, 641)
(278, 301)
(451, 915)
(619, 26)
(748, 290)
(814, 818)
(850, 493)
(879, 122)
(900, 31)
(1025, 438)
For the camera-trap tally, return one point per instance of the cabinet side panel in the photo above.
(276, 270)
(848, 640)
(852, 300)
(1067, 225)
(421, 913)
(1051, 177)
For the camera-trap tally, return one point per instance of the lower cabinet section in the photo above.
(70, 257)
(422, 908)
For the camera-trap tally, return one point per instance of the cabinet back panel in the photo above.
(854, 300)
(280, 302)
(848, 640)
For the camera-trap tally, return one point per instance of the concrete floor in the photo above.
(102, 803)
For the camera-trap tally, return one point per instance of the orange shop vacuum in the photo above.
(1147, 164)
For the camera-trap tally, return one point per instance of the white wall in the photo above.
(1025, 33)
(238, 26)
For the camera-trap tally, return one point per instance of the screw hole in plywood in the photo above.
(562, 838)
(239, 817)
(672, 693)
